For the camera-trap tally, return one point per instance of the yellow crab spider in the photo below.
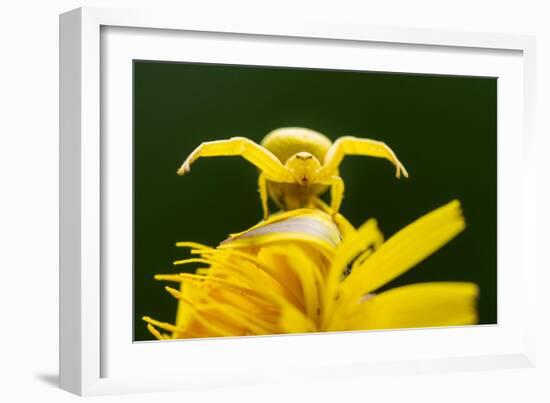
(289, 160)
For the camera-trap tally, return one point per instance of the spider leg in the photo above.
(318, 203)
(357, 146)
(336, 192)
(276, 198)
(252, 152)
(344, 226)
(262, 188)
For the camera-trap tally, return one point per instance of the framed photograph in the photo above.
(245, 201)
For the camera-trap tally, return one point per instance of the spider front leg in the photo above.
(240, 146)
(357, 146)
(336, 192)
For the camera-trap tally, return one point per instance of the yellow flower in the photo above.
(304, 271)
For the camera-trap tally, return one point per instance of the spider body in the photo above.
(302, 151)
(296, 164)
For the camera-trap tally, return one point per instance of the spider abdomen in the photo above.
(288, 141)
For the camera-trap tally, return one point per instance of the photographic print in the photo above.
(276, 200)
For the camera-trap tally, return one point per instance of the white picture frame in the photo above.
(85, 307)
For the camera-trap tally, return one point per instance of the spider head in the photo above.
(305, 167)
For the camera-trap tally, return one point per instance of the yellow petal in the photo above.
(312, 227)
(405, 249)
(292, 320)
(280, 264)
(190, 292)
(365, 237)
(421, 305)
(280, 216)
(306, 275)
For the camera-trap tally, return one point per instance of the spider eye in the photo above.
(304, 156)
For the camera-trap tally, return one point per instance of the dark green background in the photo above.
(442, 128)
